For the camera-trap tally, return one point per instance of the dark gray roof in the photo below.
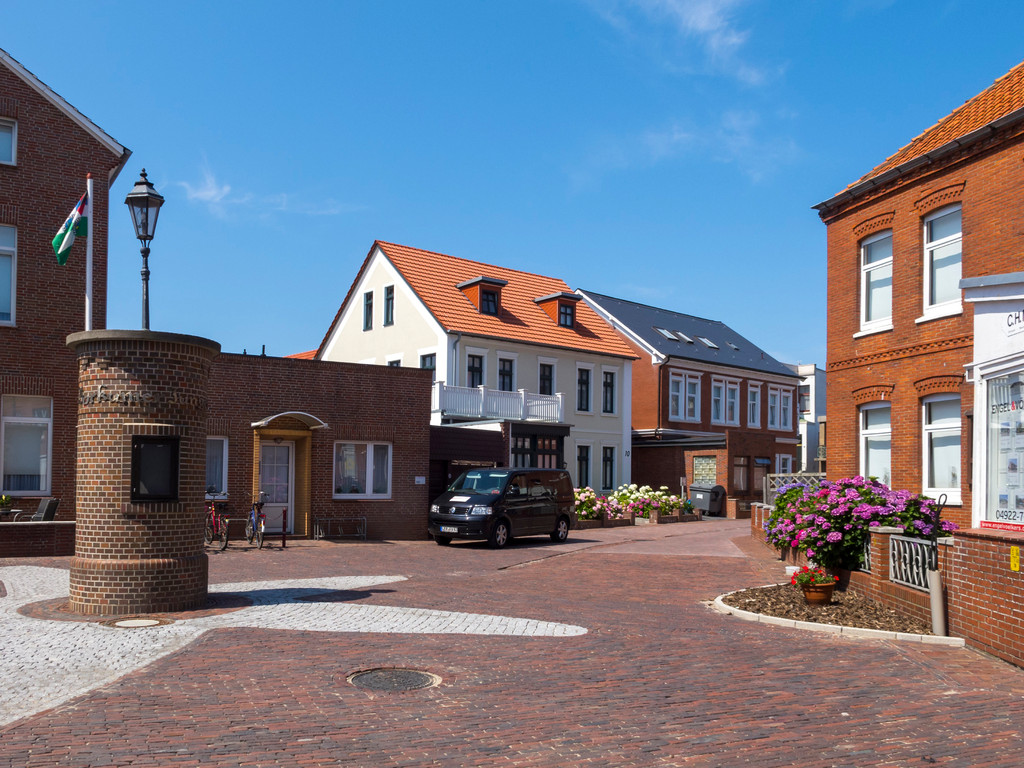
(685, 336)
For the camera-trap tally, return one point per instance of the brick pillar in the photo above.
(880, 552)
(136, 556)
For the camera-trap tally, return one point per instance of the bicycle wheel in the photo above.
(223, 534)
(208, 534)
(250, 530)
(259, 534)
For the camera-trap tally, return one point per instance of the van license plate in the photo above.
(449, 529)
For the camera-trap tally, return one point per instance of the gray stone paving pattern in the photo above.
(45, 663)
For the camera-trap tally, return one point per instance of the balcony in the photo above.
(484, 403)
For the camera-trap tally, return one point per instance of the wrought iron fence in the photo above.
(908, 561)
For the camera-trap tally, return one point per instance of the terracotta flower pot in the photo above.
(818, 594)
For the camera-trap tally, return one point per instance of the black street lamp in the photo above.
(144, 203)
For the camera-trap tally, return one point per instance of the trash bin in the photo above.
(708, 498)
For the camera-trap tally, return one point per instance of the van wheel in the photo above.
(444, 541)
(499, 535)
(561, 532)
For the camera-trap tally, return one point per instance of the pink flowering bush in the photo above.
(591, 506)
(642, 500)
(830, 522)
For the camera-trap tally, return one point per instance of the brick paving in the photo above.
(657, 679)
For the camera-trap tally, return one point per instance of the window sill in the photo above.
(946, 310)
(871, 331)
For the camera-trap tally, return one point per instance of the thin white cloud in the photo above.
(736, 138)
(217, 197)
(711, 24)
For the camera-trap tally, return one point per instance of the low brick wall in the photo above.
(55, 538)
(984, 594)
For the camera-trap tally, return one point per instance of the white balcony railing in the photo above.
(484, 403)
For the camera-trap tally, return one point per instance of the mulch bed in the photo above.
(847, 609)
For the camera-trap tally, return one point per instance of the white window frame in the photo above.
(780, 417)
(12, 252)
(717, 400)
(950, 306)
(615, 390)
(590, 463)
(5, 421)
(511, 357)
(481, 353)
(605, 448)
(13, 125)
(879, 323)
(864, 434)
(682, 412)
(783, 464)
(732, 396)
(389, 306)
(553, 362)
(944, 430)
(367, 310)
(754, 399)
(223, 464)
(367, 480)
(590, 388)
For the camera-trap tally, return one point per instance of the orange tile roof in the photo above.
(1004, 96)
(304, 355)
(433, 276)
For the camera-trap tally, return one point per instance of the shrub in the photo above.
(830, 522)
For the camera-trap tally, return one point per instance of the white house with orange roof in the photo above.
(510, 350)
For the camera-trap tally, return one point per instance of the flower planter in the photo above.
(818, 594)
(662, 519)
(617, 522)
(583, 524)
(641, 521)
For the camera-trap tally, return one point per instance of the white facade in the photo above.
(810, 409)
(414, 335)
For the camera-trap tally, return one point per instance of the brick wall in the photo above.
(54, 154)
(55, 538)
(916, 358)
(358, 403)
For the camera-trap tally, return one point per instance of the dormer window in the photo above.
(485, 293)
(560, 307)
(489, 302)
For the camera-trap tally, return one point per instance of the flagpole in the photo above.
(90, 226)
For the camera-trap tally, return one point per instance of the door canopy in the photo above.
(308, 419)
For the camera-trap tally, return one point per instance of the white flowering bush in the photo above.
(642, 500)
(591, 506)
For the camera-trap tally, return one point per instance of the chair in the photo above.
(47, 511)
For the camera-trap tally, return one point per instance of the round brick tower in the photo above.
(142, 409)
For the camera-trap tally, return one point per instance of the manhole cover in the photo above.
(393, 679)
(137, 623)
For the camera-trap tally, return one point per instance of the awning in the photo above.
(308, 419)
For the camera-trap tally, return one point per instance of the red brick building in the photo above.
(709, 406)
(46, 149)
(900, 335)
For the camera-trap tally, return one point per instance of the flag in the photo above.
(77, 223)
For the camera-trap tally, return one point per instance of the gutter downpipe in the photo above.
(455, 358)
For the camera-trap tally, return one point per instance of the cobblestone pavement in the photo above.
(605, 654)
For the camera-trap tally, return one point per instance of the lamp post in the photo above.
(144, 203)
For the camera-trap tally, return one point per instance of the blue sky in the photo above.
(663, 151)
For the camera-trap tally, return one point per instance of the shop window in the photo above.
(8, 271)
(26, 431)
(941, 442)
(876, 283)
(362, 470)
(216, 465)
(154, 471)
(876, 441)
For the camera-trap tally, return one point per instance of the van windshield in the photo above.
(480, 481)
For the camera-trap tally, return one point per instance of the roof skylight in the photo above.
(666, 333)
(708, 342)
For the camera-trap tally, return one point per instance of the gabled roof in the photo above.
(434, 278)
(308, 355)
(1000, 104)
(666, 332)
(77, 117)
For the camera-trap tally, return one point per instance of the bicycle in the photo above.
(256, 522)
(216, 522)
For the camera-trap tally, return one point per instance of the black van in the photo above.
(498, 503)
